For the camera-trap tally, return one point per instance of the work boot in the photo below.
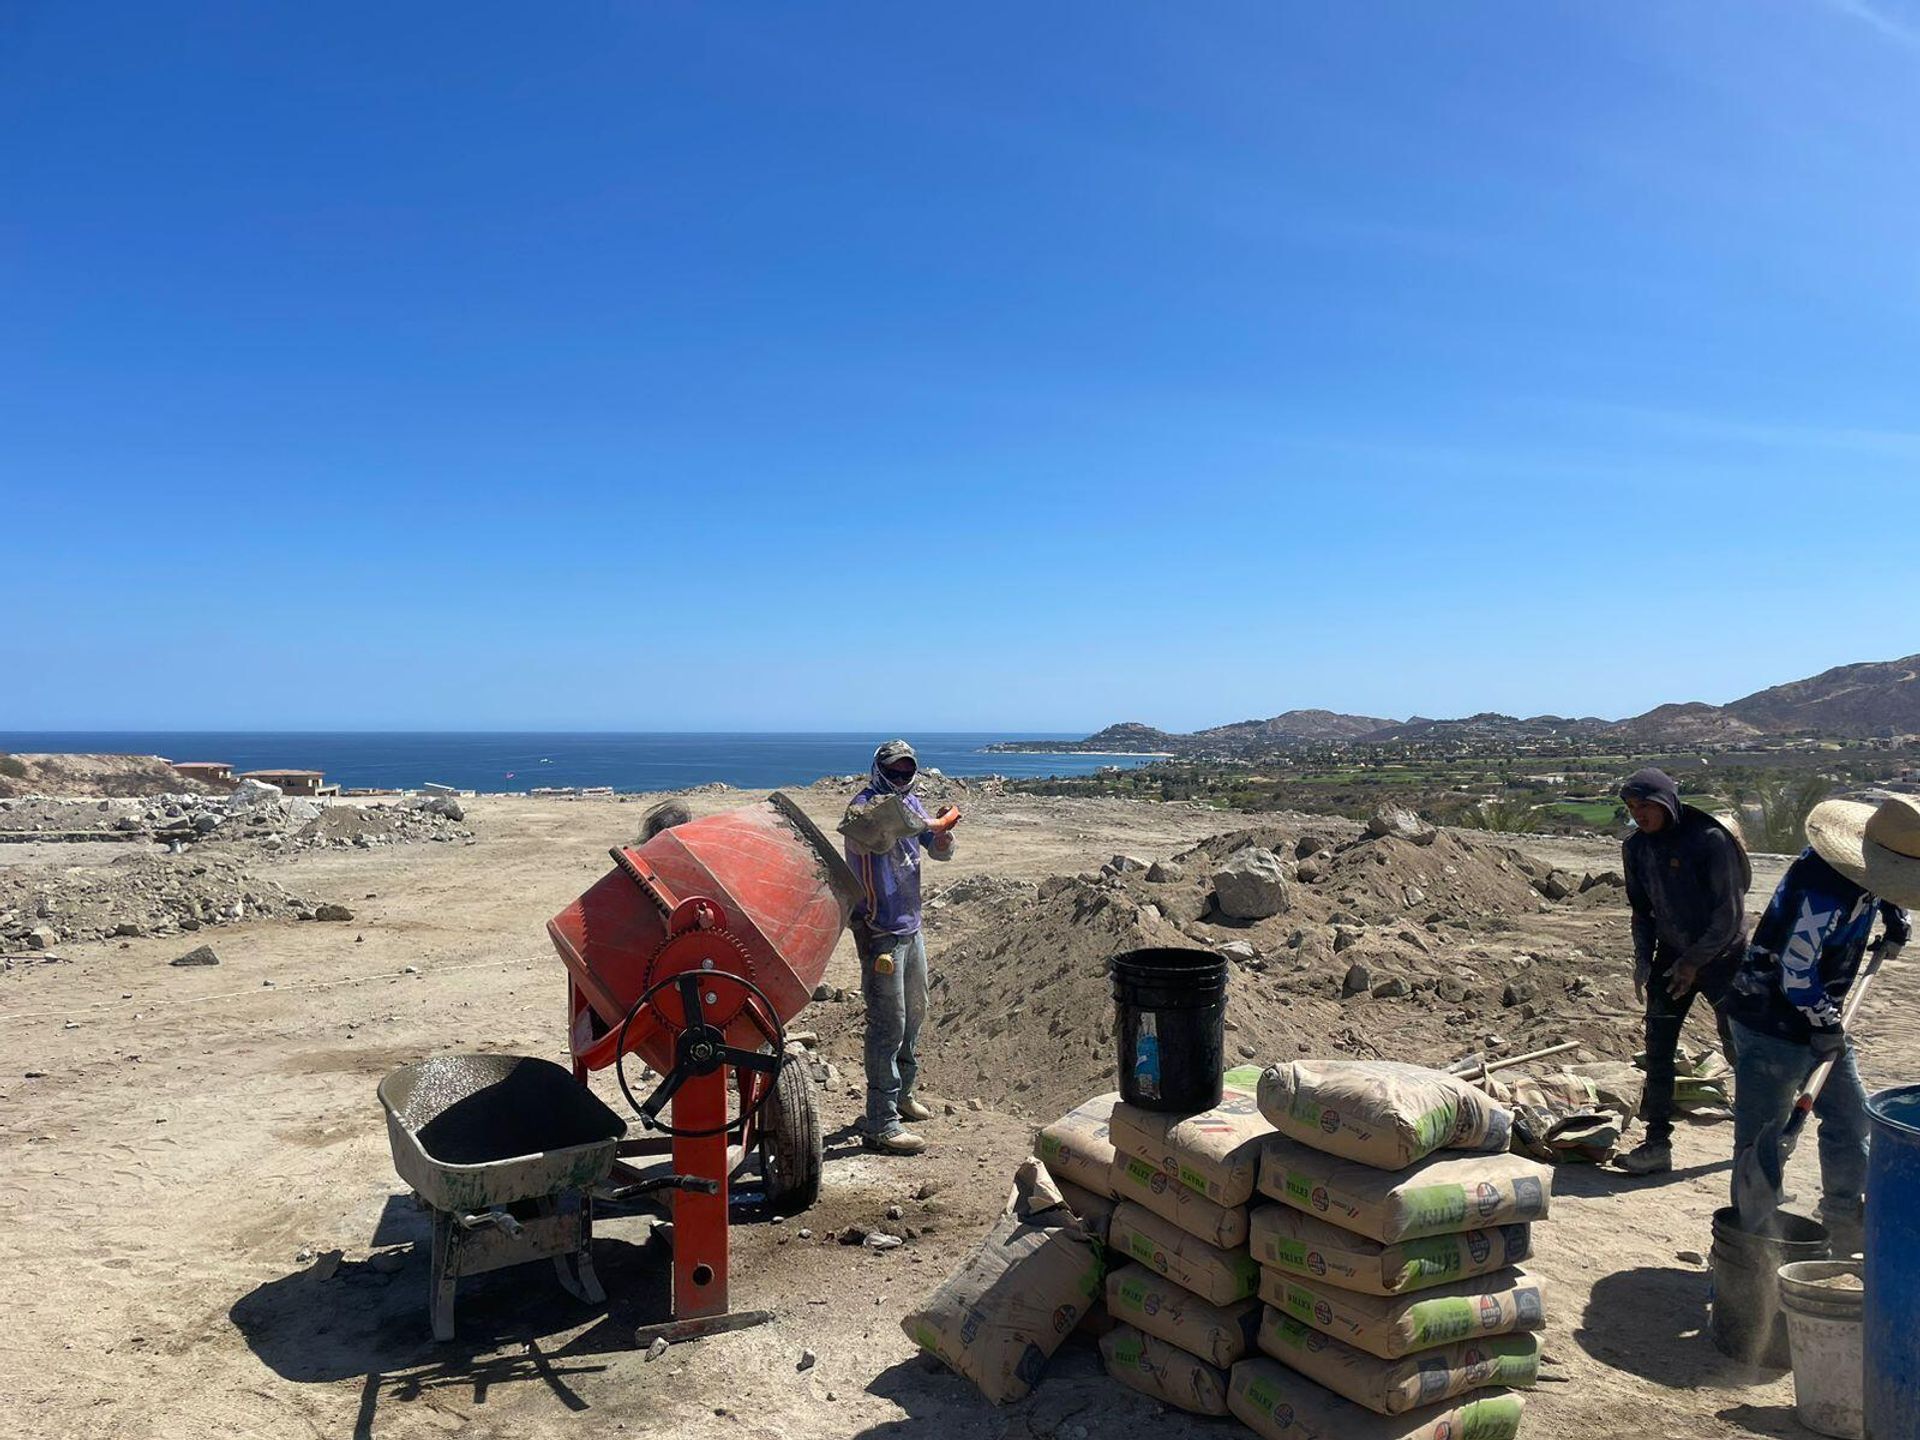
(895, 1142)
(912, 1109)
(1647, 1158)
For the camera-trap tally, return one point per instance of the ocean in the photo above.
(522, 761)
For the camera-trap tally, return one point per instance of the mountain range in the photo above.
(1870, 699)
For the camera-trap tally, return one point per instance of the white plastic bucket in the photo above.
(1824, 1329)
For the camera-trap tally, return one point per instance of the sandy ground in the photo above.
(190, 1132)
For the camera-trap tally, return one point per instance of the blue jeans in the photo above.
(896, 999)
(1767, 1075)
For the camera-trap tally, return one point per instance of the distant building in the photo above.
(209, 772)
(294, 782)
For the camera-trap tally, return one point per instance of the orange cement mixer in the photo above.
(693, 953)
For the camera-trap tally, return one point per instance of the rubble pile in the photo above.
(251, 813)
(137, 895)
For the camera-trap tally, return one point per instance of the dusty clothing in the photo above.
(1806, 951)
(885, 829)
(1687, 884)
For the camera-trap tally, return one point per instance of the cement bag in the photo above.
(1442, 1194)
(1076, 1147)
(1094, 1212)
(1144, 1184)
(1284, 1238)
(1164, 1371)
(1380, 1113)
(1277, 1404)
(1218, 1334)
(1220, 1276)
(1015, 1299)
(1215, 1154)
(1392, 1387)
(1394, 1325)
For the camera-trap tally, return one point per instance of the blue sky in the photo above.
(675, 366)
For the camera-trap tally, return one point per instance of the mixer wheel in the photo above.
(790, 1142)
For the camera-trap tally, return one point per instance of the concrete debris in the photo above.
(807, 1360)
(1400, 823)
(657, 1348)
(879, 1240)
(200, 955)
(1251, 885)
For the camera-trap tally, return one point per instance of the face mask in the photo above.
(901, 778)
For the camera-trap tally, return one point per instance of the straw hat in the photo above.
(1876, 846)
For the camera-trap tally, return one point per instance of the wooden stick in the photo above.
(1559, 1049)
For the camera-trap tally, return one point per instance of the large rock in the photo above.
(1165, 872)
(334, 913)
(1251, 885)
(1558, 885)
(249, 793)
(202, 956)
(1126, 864)
(298, 811)
(1612, 879)
(1401, 823)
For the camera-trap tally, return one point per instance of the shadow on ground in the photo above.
(335, 1320)
(1652, 1322)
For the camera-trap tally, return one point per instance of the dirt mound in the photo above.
(1389, 948)
(138, 895)
(93, 775)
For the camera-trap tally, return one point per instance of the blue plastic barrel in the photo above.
(1892, 1336)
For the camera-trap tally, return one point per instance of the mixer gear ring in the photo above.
(729, 957)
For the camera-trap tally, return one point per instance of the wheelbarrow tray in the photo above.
(473, 1131)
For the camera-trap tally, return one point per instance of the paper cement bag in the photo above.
(1394, 1325)
(1283, 1238)
(1077, 1148)
(1015, 1299)
(1218, 1334)
(1443, 1194)
(1221, 1276)
(1392, 1387)
(1216, 1153)
(1094, 1212)
(1164, 1371)
(1144, 1184)
(1380, 1113)
(1277, 1403)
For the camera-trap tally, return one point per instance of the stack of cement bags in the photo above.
(1389, 1260)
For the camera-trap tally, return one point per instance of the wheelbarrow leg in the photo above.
(445, 1276)
(575, 1269)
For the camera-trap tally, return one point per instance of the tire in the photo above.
(790, 1146)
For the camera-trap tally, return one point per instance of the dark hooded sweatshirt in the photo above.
(1687, 884)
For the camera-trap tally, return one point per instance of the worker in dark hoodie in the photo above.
(1687, 879)
(886, 828)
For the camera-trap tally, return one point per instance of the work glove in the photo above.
(1642, 970)
(948, 817)
(1829, 1044)
(1890, 951)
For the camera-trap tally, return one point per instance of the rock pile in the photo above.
(137, 895)
(250, 813)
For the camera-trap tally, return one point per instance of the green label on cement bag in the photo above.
(1130, 1353)
(1435, 1322)
(1143, 1249)
(1140, 1172)
(1194, 1180)
(1430, 1258)
(1496, 1418)
(1050, 1147)
(1435, 1207)
(1133, 1294)
(1300, 1188)
(1290, 1253)
(1436, 1127)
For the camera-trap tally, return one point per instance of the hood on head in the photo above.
(1654, 785)
(888, 754)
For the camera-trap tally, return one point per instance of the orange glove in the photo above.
(944, 821)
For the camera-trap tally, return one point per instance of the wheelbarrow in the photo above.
(505, 1151)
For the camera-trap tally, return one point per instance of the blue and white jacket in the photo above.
(1806, 951)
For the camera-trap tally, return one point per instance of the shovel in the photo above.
(1756, 1198)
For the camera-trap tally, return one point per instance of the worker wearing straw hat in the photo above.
(1786, 1000)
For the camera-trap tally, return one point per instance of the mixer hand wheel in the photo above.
(700, 1048)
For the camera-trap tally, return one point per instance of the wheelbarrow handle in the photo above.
(482, 1219)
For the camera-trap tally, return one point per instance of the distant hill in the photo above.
(1295, 725)
(1875, 698)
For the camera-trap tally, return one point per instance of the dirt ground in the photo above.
(175, 1139)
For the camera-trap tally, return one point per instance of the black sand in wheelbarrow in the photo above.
(504, 1150)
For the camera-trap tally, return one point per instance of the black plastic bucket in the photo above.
(1747, 1322)
(1170, 1015)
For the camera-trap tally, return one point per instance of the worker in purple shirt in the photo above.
(886, 828)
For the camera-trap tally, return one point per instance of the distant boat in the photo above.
(546, 762)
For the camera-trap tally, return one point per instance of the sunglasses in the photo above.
(900, 774)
